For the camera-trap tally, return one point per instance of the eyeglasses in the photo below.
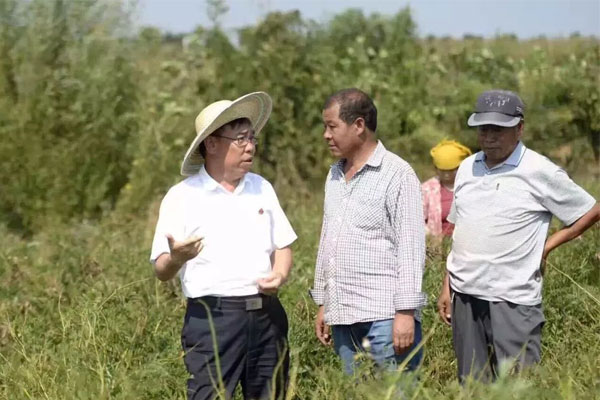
(242, 140)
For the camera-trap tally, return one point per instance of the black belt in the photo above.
(247, 303)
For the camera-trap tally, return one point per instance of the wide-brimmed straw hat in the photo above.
(254, 106)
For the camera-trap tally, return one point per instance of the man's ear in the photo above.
(520, 129)
(360, 125)
(211, 145)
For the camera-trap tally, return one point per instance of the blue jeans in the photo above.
(348, 340)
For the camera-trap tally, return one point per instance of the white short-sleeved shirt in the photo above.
(501, 218)
(240, 230)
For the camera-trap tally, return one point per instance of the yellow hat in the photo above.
(448, 154)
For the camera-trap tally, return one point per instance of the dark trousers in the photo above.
(486, 334)
(251, 342)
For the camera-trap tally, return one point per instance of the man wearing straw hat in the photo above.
(504, 198)
(223, 230)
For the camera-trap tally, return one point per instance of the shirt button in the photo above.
(331, 260)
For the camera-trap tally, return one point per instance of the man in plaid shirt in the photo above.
(372, 251)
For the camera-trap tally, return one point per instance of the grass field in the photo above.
(82, 317)
(95, 115)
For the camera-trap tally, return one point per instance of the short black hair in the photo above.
(233, 124)
(354, 103)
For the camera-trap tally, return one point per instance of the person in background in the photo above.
(439, 190)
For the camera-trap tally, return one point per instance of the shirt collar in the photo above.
(514, 159)
(377, 156)
(374, 160)
(211, 185)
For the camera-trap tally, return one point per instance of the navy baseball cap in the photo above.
(497, 107)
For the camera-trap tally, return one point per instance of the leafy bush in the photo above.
(93, 114)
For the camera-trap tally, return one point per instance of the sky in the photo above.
(525, 18)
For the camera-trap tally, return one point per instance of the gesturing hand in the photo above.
(184, 250)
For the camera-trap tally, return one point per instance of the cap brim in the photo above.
(493, 118)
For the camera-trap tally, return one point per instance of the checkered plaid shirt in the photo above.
(372, 251)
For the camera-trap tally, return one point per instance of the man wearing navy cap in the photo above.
(504, 198)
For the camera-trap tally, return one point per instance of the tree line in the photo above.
(96, 116)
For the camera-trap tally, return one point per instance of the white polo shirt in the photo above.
(240, 230)
(501, 218)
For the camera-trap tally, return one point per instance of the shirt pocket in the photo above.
(512, 202)
(367, 213)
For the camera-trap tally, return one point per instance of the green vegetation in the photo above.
(94, 121)
(82, 317)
